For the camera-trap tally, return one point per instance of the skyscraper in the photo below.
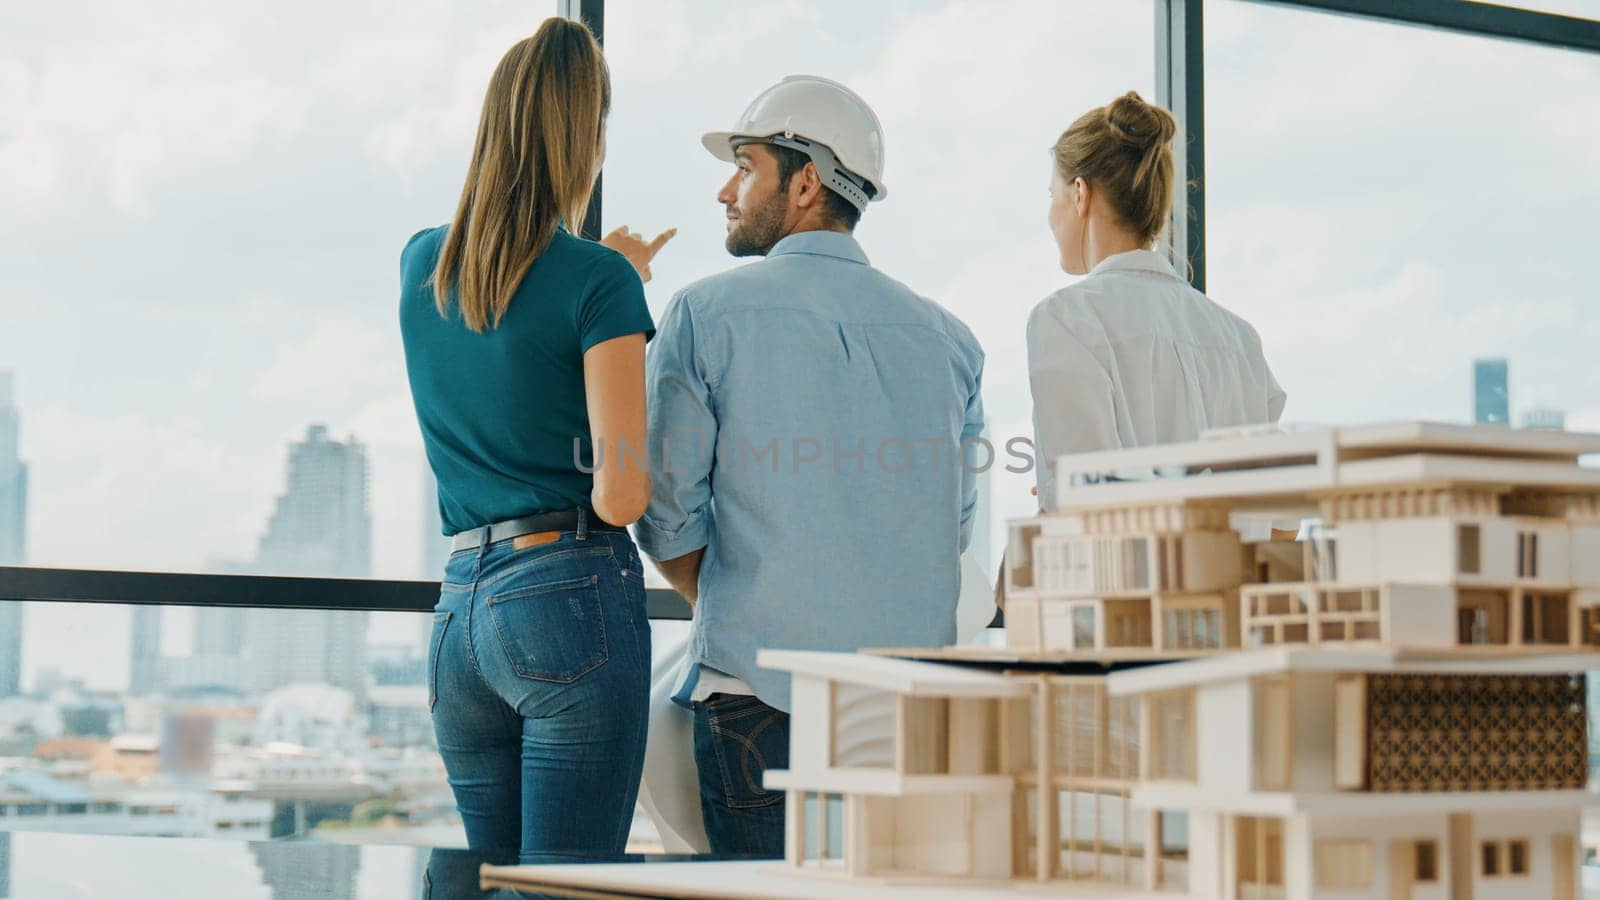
(219, 631)
(13, 536)
(1491, 394)
(144, 650)
(321, 527)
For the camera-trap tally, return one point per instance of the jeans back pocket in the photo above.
(441, 621)
(554, 631)
(748, 737)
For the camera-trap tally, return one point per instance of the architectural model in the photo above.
(1392, 706)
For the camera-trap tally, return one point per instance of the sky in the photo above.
(202, 207)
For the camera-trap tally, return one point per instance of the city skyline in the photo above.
(320, 528)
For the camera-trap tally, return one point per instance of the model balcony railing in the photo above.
(1308, 613)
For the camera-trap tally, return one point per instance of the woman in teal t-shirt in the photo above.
(524, 349)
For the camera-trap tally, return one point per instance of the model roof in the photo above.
(1422, 660)
(1259, 463)
(898, 676)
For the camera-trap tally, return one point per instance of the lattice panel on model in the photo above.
(1476, 733)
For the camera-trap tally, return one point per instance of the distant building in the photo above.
(1491, 394)
(1544, 417)
(203, 671)
(13, 535)
(322, 528)
(313, 716)
(219, 630)
(144, 651)
(394, 665)
(55, 804)
(399, 716)
(218, 658)
(287, 869)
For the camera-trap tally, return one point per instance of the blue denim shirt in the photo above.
(808, 416)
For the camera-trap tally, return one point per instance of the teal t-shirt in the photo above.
(500, 411)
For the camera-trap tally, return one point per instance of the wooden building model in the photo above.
(1391, 707)
(1426, 535)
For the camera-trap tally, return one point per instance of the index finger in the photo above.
(661, 239)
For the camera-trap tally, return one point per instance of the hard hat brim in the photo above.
(720, 144)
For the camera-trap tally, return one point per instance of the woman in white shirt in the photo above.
(1130, 355)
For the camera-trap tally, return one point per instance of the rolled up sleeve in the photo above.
(683, 440)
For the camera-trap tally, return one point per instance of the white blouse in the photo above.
(1131, 356)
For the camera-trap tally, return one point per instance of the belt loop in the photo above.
(583, 524)
(483, 546)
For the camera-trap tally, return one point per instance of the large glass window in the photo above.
(201, 369)
(971, 96)
(1390, 204)
(206, 209)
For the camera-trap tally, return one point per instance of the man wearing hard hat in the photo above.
(808, 417)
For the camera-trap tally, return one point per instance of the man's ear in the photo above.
(810, 186)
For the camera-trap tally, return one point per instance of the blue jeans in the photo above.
(736, 739)
(539, 684)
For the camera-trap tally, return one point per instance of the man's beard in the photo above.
(756, 230)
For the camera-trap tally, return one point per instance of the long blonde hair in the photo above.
(1125, 149)
(533, 167)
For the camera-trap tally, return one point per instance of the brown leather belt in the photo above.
(534, 527)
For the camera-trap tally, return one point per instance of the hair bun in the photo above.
(1139, 124)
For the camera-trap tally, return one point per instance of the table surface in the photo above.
(72, 866)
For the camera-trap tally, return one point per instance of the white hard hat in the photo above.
(822, 118)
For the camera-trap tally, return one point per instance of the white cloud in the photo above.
(337, 358)
(649, 40)
(437, 121)
(156, 99)
(28, 168)
(141, 492)
(162, 93)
